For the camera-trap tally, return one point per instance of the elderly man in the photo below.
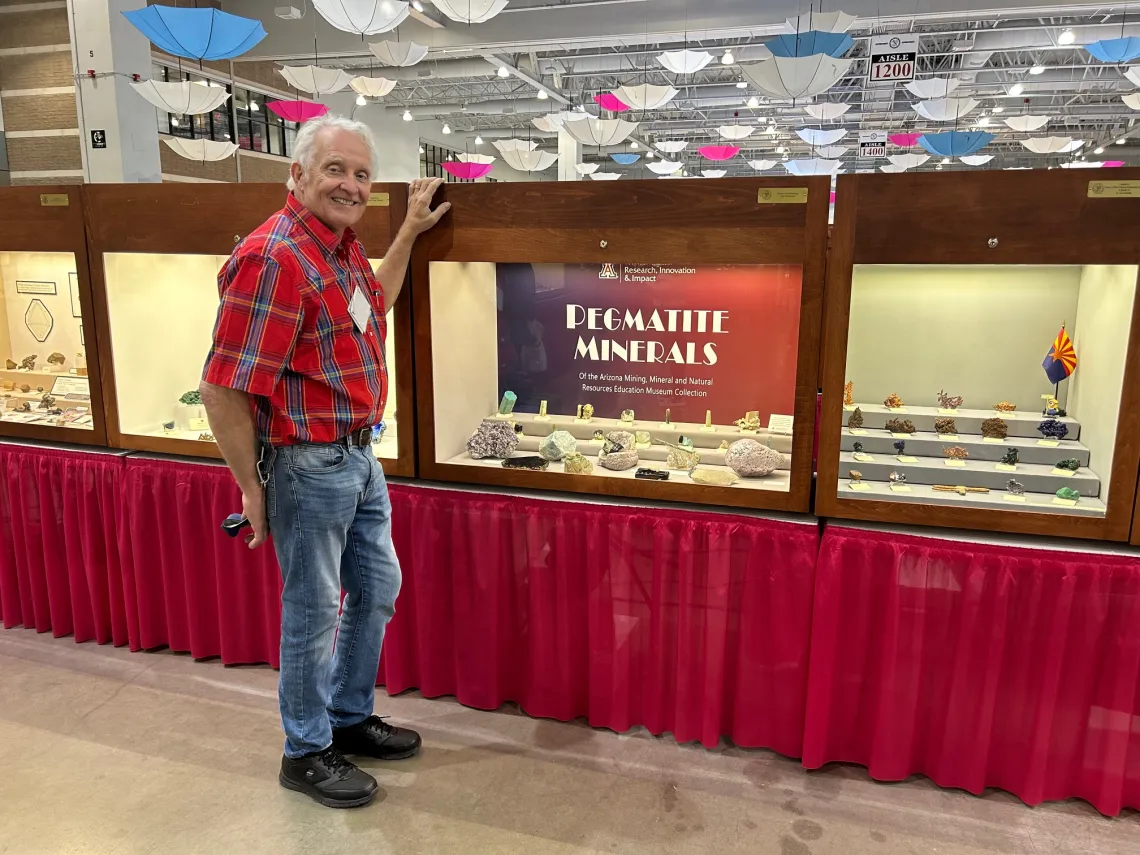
(292, 386)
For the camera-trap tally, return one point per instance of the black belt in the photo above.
(357, 439)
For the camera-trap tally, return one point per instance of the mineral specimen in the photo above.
(1070, 464)
(751, 421)
(651, 474)
(577, 464)
(627, 416)
(599, 436)
(897, 478)
(945, 426)
(713, 477)
(1068, 493)
(708, 420)
(642, 437)
(56, 358)
(949, 402)
(849, 393)
(857, 447)
(723, 445)
(680, 457)
(9, 385)
(619, 452)
(206, 436)
(854, 475)
(25, 407)
(685, 441)
(542, 409)
(900, 425)
(528, 461)
(25, 388)
(1053, 429)
(667, 416)
(1014, 487)
(995, 428)
(10, 364)
(557, 445)
(587, 411)
(855, 420)
(956, 452)
(168, 425)
(1052, 407)
(900, 447)
(1010, 458)
(518, 428)
(893, 402)
(192, 398)
(507, 404)
(492, 439)
(47, 402)
(28, 363)
(751, 459)
(1005, 407)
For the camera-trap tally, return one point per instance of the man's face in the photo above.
(335, 188)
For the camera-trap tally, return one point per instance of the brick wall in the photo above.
(176, 164)
(256, 169)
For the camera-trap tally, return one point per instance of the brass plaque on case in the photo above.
(377, 200)
(782, 196)
(54, 200)
(1113, 189)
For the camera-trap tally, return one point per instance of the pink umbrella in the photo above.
(719, 152)
(1112, 163)
(831, 199)
(905, 140)
(610, 101)
(297, 111)
(467, 171)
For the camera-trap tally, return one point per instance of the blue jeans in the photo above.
(331, 523)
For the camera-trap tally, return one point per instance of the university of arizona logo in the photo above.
(608, 271)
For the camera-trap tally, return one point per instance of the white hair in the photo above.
(305, 143)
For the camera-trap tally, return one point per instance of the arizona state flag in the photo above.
(1061, 360)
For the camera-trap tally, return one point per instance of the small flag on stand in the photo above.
(1061, 360)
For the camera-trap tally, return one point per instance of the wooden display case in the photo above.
(46, 308)
(960, 281)
(537, 245)
(155, 252)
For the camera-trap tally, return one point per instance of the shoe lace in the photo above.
(378, 722)
(334, 760)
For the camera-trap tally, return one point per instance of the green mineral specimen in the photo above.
(1068, 493)
(193, 398)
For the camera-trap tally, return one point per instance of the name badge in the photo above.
(360, 309)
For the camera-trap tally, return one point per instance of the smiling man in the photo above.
(292, 386)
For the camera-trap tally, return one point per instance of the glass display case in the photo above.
(46, 335)
(654, 340)
(156, 290)
(981, 366)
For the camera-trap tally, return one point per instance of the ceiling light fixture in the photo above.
(1037, 69)
(945, 160)
(633, 143)
(779, 149)
(728, 58)
(984, 122)
(361, 101)
(173, 121)
(1067, 37)
(753, 102)
(421, 149)
(503, 71)
(446, 128)
(649, 153)
(417, 5)
(1120, 141)
(998, 109)
(1100, 150)
(741, 85)
(542, 96)
(407, 115)
(1016, 89)
(253, 106)
(478, 140)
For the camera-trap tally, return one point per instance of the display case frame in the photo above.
(1059, 217)
(49, 218)
(712, 221)
(209, 219)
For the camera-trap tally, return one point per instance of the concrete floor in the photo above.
(105, 751)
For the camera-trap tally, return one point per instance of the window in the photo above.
(431, 161)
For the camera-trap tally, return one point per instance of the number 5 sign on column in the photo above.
(893, 58)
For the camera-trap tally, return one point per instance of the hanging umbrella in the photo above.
(945, 109)
(645, 96)
(200, 150)
(684, 61)
(810, 43)
(1116, 51)
(590, 168)
(735, 132)
(670, 146)
(908, 161)
(719, 152)
(955, 143)
(761, 165)
(933, 87)
(813, 166)
(812, 136)
(828, 22)
(183, 99)
(714, 173)
(665, 167)
(832, 152)
(1072, 146)
(1048, 145)
(610, 101)
(826, 112)
(466, 169)
(297, 111)
(313, 78)
(514, 145)
(625, 159)
(400, 54)
(1026, 123)
(591, 131)
(372, 87)
(363, 17)
(551, 122)
(476, 158)
(470, 11)
(976, 159)
(197, 33)
(796, 76)
(908, 140)
(1133, 100)
(605, 176)
(1133, 74)
(892, 167)
(529, 160)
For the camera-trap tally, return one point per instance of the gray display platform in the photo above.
(933, 445)
(648, 453)
(967, 421)
(1037, 478)
(993, 501)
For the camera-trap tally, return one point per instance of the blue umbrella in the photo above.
(811, 43)
(955, 143)
(197, 33)
(1115, 50)
(626, 159)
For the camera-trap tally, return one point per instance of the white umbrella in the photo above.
(1048, 145)
(933, 87)
(761, 165)
(907, 161)
(1072, 146)
(372, 87)
(831, 152)
(827, 111)
(671, 146)
(714, 173)
(476, 158)
(813, 166)
(796, 76)
(514, 145)
(735, 132)
(976, 159)
(945, 109)
(315, 79)
(200, 150)
(364, 17)
(586, 168)
(183, 99)
(825, 22)
(529, 161)
(605, 176)
(684, 61)
(1026, 123)
(1132, 100)
(645, 96)
(813, 136)
(398, 53)
(591, 131)
(893, 167)
(470, 11)
(551, 122)
(1133, 74)
(665, 167)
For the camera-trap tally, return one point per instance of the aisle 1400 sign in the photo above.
(893, 58)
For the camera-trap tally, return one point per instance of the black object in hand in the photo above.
(234, 523)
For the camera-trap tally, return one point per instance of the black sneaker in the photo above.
(327, 777)
(374, 737)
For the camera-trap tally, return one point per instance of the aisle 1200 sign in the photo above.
(893, 57)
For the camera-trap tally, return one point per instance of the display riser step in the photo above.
(993, 501)
(931, 445)
(976, 473)
(967, 421)
(655, 454)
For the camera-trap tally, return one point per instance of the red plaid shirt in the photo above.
(285, 336)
